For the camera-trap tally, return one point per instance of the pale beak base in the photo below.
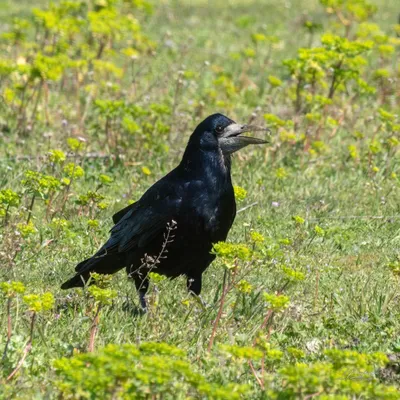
(230, 141)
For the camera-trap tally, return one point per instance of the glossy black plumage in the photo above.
(196, 200)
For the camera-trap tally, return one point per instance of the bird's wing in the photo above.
(137, 228)
(118, 215)
(147, 218)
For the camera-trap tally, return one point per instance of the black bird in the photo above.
(172, 228)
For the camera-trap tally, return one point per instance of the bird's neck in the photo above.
(208, 164)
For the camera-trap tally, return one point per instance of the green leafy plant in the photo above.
(8, 199)
(36, 304)
(10, 291)
(344, 373)
(162, 371)
(349, 12)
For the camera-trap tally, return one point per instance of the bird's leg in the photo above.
(142, 300)
(194, 288)
(142, 286)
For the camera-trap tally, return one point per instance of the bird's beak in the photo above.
(231, 141)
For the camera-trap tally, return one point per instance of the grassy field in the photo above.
(98, 99)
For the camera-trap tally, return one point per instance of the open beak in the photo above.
(231, 141)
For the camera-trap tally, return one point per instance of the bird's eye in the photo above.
(219, 129)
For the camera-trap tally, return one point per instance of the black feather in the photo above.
(193, 206)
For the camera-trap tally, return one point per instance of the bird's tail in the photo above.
(75, 281)
(109, 264)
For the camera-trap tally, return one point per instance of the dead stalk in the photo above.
(259, 381)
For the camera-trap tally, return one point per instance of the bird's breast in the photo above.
(218, 211)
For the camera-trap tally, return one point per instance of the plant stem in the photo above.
(333, 87)
(259, 381)
(35, 107)
(298, 96)
(51, 197)
(316, 289)
(93, 329)
(30, 209)
(102, 46)
(27, 349)
(269, 316)
(225, 289)
(6, 216)
(9, 328)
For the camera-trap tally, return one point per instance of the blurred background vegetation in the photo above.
(97, 101)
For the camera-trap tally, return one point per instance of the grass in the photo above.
(338, 176)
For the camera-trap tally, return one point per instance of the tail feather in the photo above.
(81, 266)
(75, 281)
(109, 264)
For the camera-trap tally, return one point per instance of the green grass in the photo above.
(349, 299)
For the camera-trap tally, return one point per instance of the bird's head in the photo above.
(219, 130)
